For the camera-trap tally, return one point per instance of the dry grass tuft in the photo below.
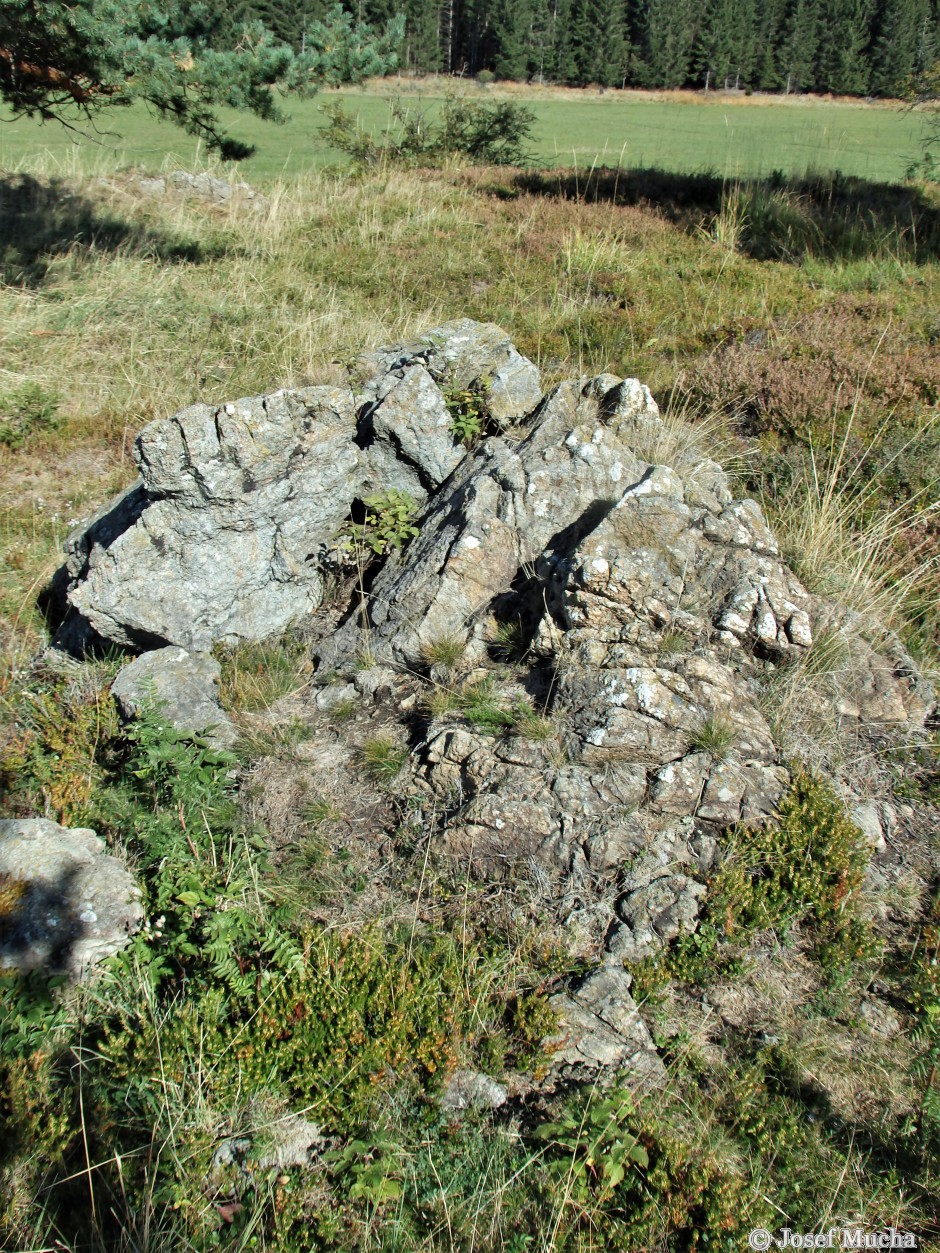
(844, 541)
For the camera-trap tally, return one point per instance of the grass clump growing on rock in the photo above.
(255, 676)
(714, 737)
(482, 705)
(446, 651)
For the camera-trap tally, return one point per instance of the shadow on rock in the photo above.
(65, 902)
(39, 927)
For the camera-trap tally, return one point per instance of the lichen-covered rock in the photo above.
(468, 1089)
(505, 506)
(182, 687)
(221, 539)
(411, 446)
(65, 903)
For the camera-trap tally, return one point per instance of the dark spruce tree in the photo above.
(798, 62)
(560, 66)
(904, 46)
(844, 36)
(598, 40)
(511, 41)
(422, 42)
(670, 39)
(768, 44)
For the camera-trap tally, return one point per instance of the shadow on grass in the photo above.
(827, 216)
(43, 219)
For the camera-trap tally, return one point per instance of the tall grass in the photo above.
(845, 540)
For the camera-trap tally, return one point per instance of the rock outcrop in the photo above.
(65, 902)
(652, 607)
(219, 540)
(223, 538)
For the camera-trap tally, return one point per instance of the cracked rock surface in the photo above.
(651, 609)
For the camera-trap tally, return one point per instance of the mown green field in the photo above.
(732, 138)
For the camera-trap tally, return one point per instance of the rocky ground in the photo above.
(560, 644)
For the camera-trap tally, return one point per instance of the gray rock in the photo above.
(412, 446)
(601, 1030)
(879, 1018)
(376, 682)
(468, 1089)
(335, 695)
(184, 687)
(656, 607)
(289, 1141)
(654, 914)
(206, 186)
(466, 356)
(67, 903)
(502, 508)
(879, 685)
(220, 541)
(866, 814)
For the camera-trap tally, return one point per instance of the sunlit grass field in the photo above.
(790, 325)
(729, 136)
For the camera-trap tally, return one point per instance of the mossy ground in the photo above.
(796, 331)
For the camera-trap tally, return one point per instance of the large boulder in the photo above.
(65, 902)
(220, 540)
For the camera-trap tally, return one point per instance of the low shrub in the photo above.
(807, 866)
(388, 524)
(494, 133)
(27, 410)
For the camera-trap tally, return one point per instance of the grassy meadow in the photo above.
(732, 136)
(793, 320)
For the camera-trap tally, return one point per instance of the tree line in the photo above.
(854, 47)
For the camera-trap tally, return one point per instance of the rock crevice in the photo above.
(652, 608)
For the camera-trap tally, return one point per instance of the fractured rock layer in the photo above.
(654, 608)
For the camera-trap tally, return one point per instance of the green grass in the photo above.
(775, 316)
(732, 138)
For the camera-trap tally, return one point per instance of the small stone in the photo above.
(335, 695)
(78, 904)
(183, 687)
(866, 815)
(879, 1017)
(468, 1089)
